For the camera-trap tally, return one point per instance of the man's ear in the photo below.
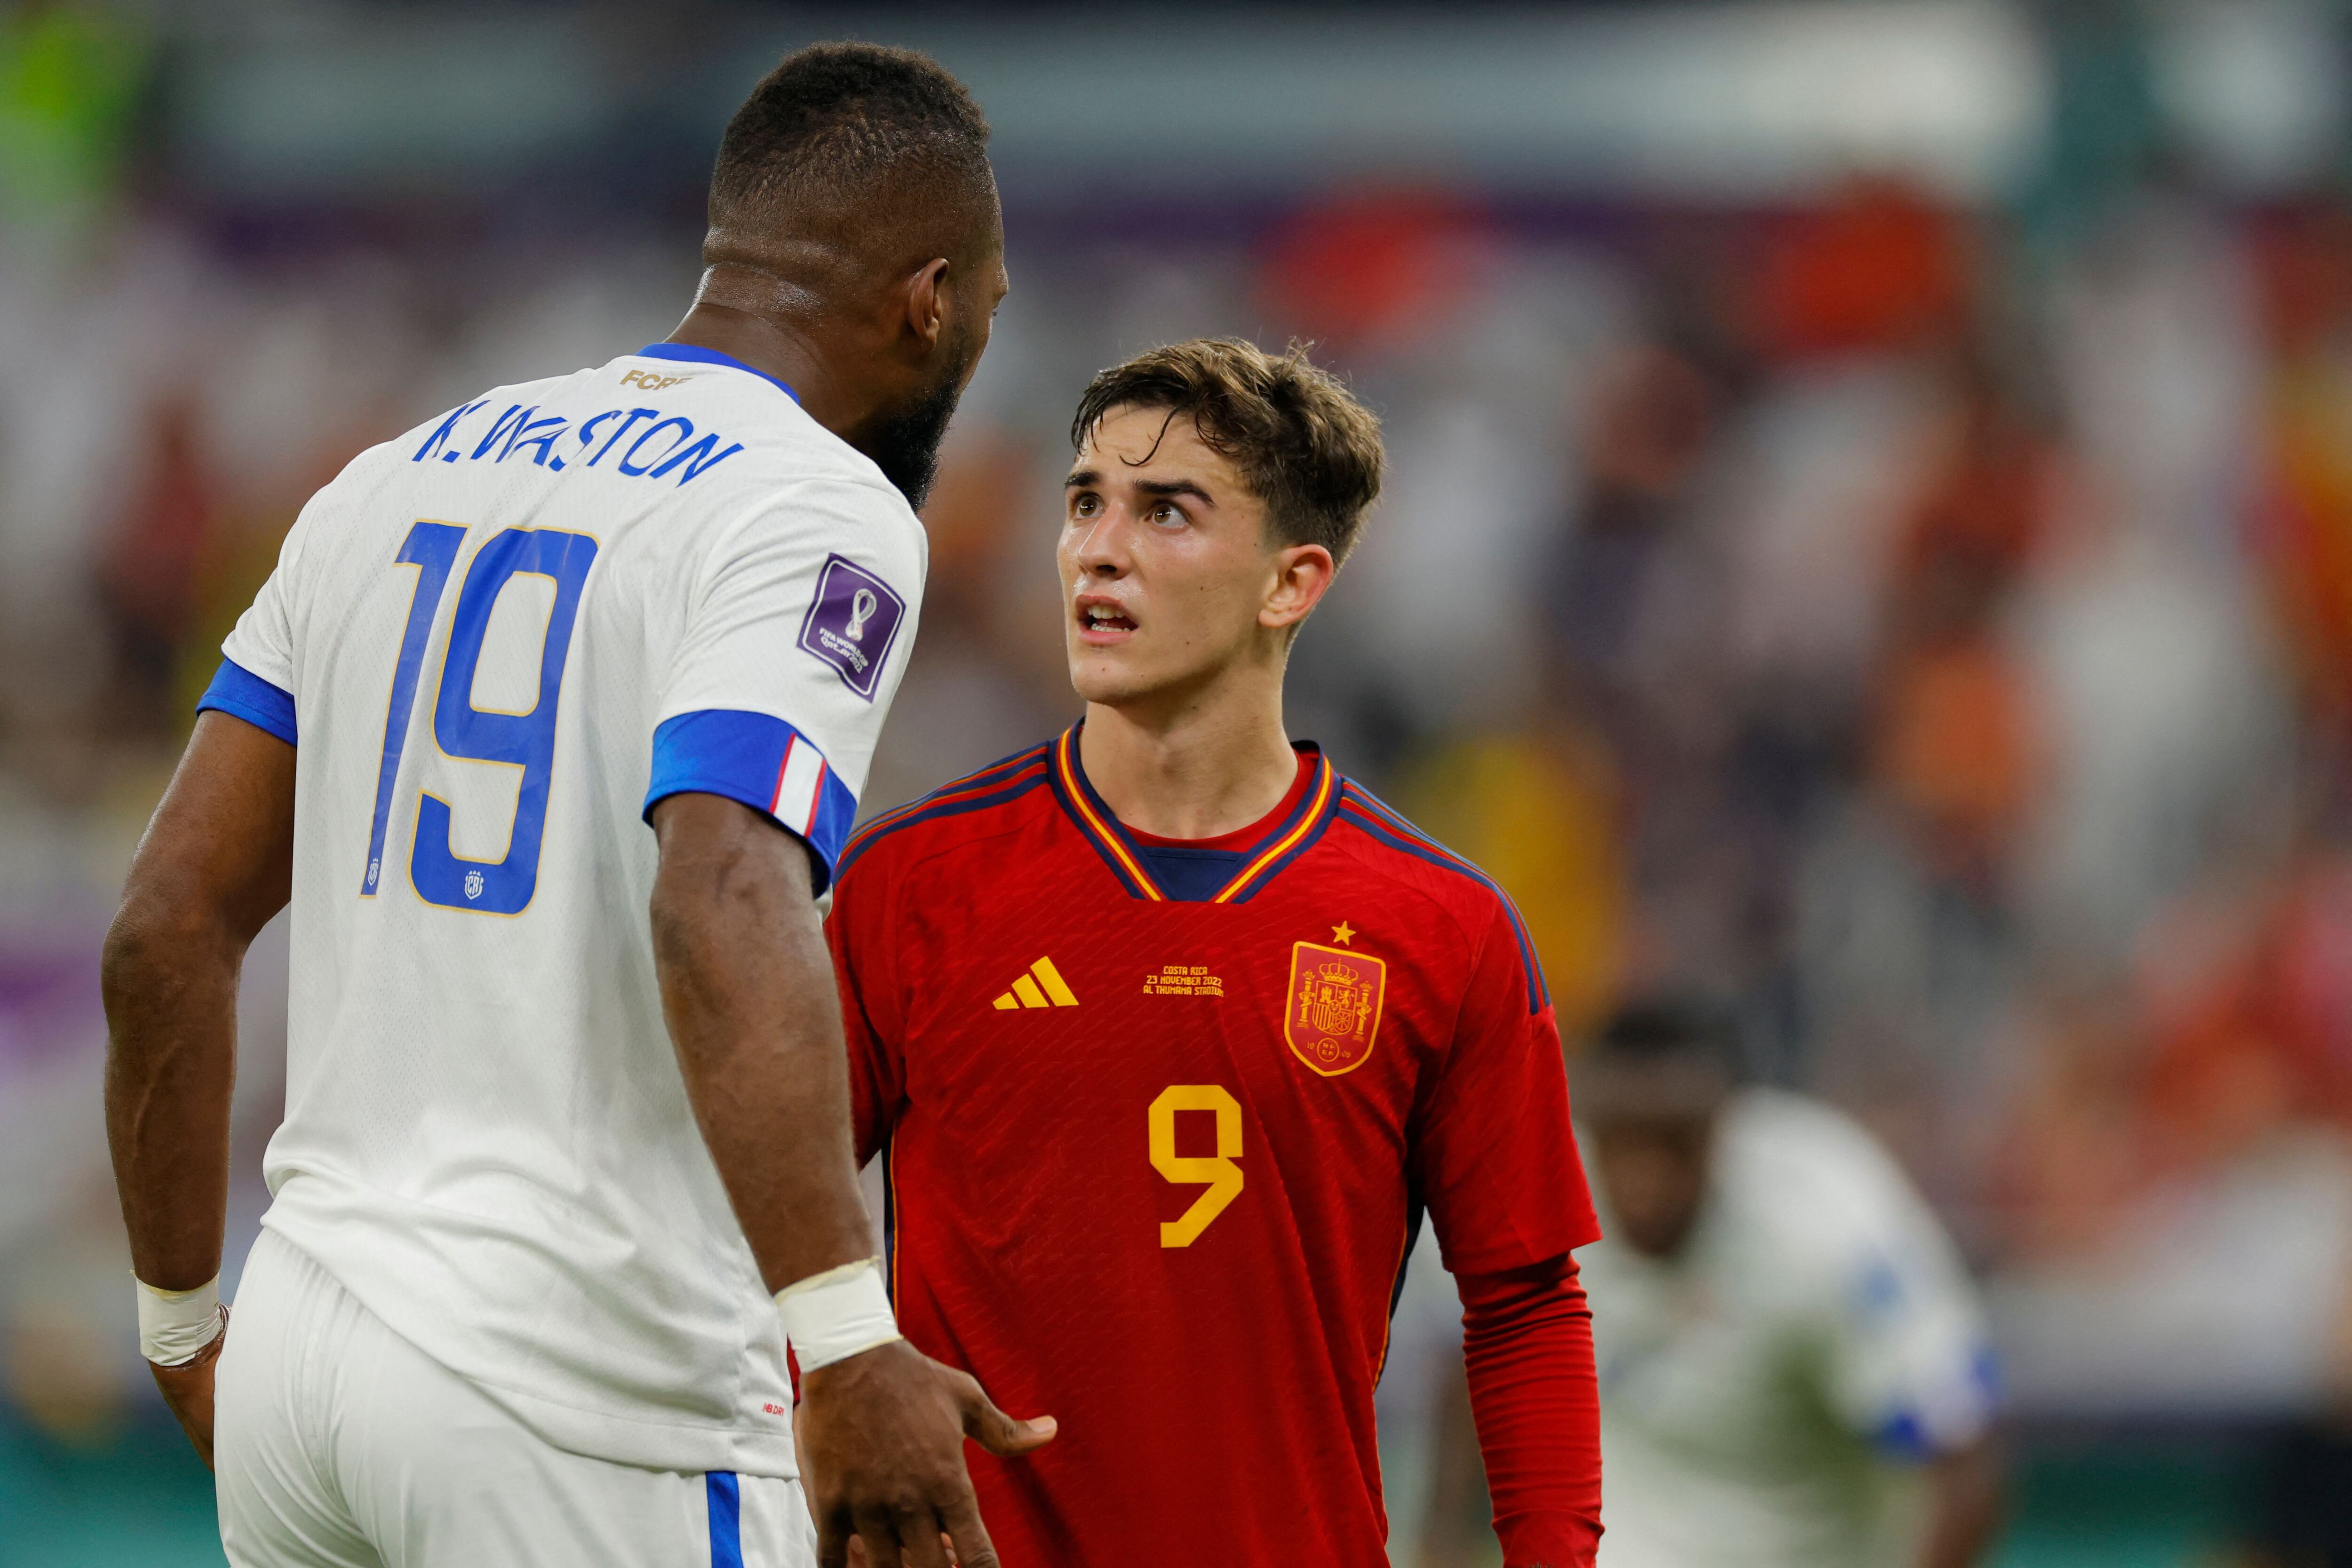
(1302, 575)
(927, 304)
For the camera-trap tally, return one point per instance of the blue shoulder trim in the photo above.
(1013, 777)
(697, 355)
(1368, 811)
(238, 692)
(765, 763)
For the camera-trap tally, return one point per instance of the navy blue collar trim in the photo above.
(1131, 862)
(696, 354)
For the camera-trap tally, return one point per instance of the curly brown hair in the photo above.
(1303, 444)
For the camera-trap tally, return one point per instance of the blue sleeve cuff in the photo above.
(237, 691)
(1907, 1437)
(765, 763)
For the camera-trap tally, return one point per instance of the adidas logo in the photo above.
(1042, 986)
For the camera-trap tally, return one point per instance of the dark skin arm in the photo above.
(747, 989)
(216, 865)
(1966, 1507)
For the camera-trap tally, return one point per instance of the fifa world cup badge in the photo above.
(1332, 1009)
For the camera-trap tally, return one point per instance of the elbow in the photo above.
(685, 921)
(677, 915)
(133, 945)
(152, 945)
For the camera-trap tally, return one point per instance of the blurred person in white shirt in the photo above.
(1793, 1364)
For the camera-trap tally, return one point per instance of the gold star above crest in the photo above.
(1341, 932)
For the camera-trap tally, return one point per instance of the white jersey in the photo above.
(495, 643)
(1766, 1395)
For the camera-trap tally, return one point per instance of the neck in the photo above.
(771, 325)
(1192, 769)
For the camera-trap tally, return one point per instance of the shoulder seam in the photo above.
(1341, 819)
(1380, 815)
(960, 842)
(915, 812)
(1005, 766)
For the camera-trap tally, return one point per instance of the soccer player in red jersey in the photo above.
(1171, 1034)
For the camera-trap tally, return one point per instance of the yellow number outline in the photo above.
(1223, 1177)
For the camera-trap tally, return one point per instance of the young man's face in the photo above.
(1170, 577)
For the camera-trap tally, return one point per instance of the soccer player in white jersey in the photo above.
(512, 1303)
(1794, 1369)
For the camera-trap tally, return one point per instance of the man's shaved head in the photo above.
(874, 154)
(853, 207)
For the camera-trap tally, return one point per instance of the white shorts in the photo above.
(338, 1445)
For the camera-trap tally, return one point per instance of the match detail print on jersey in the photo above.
(1183, 980)
(1333, 1007)
(1042, 986)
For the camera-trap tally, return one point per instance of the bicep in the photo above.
(736, 945)
(221, 845)
(719, 857)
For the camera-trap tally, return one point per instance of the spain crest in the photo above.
(1333, 1007)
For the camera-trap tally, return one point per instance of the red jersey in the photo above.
(1161, 1118)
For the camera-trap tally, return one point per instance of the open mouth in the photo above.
(1103, 619)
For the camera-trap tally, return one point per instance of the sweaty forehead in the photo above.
(1151, 443)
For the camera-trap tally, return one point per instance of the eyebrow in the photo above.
(1087, 479)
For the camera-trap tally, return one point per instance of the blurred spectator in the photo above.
(148, 568)
(1793, 1365)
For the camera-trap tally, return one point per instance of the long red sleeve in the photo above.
(1528, 1343)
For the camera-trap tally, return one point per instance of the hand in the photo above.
(188, 1391)
(881, 1436)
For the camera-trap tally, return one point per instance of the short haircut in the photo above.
(1669, 1031)
(1302, 442)
(833, 122)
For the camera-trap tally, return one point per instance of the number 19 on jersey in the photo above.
(525, 740)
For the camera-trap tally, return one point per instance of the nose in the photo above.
(1101, 549)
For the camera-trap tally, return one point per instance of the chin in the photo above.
(1100, 682)
(1107, 690)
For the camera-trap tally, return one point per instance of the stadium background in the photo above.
(1870, 537)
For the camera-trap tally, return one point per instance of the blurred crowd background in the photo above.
(1869, 541)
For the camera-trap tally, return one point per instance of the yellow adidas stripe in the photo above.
(1042, 986)
(1050, 979)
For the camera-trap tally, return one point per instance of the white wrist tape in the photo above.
(175, 1325)
(835, 1315)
